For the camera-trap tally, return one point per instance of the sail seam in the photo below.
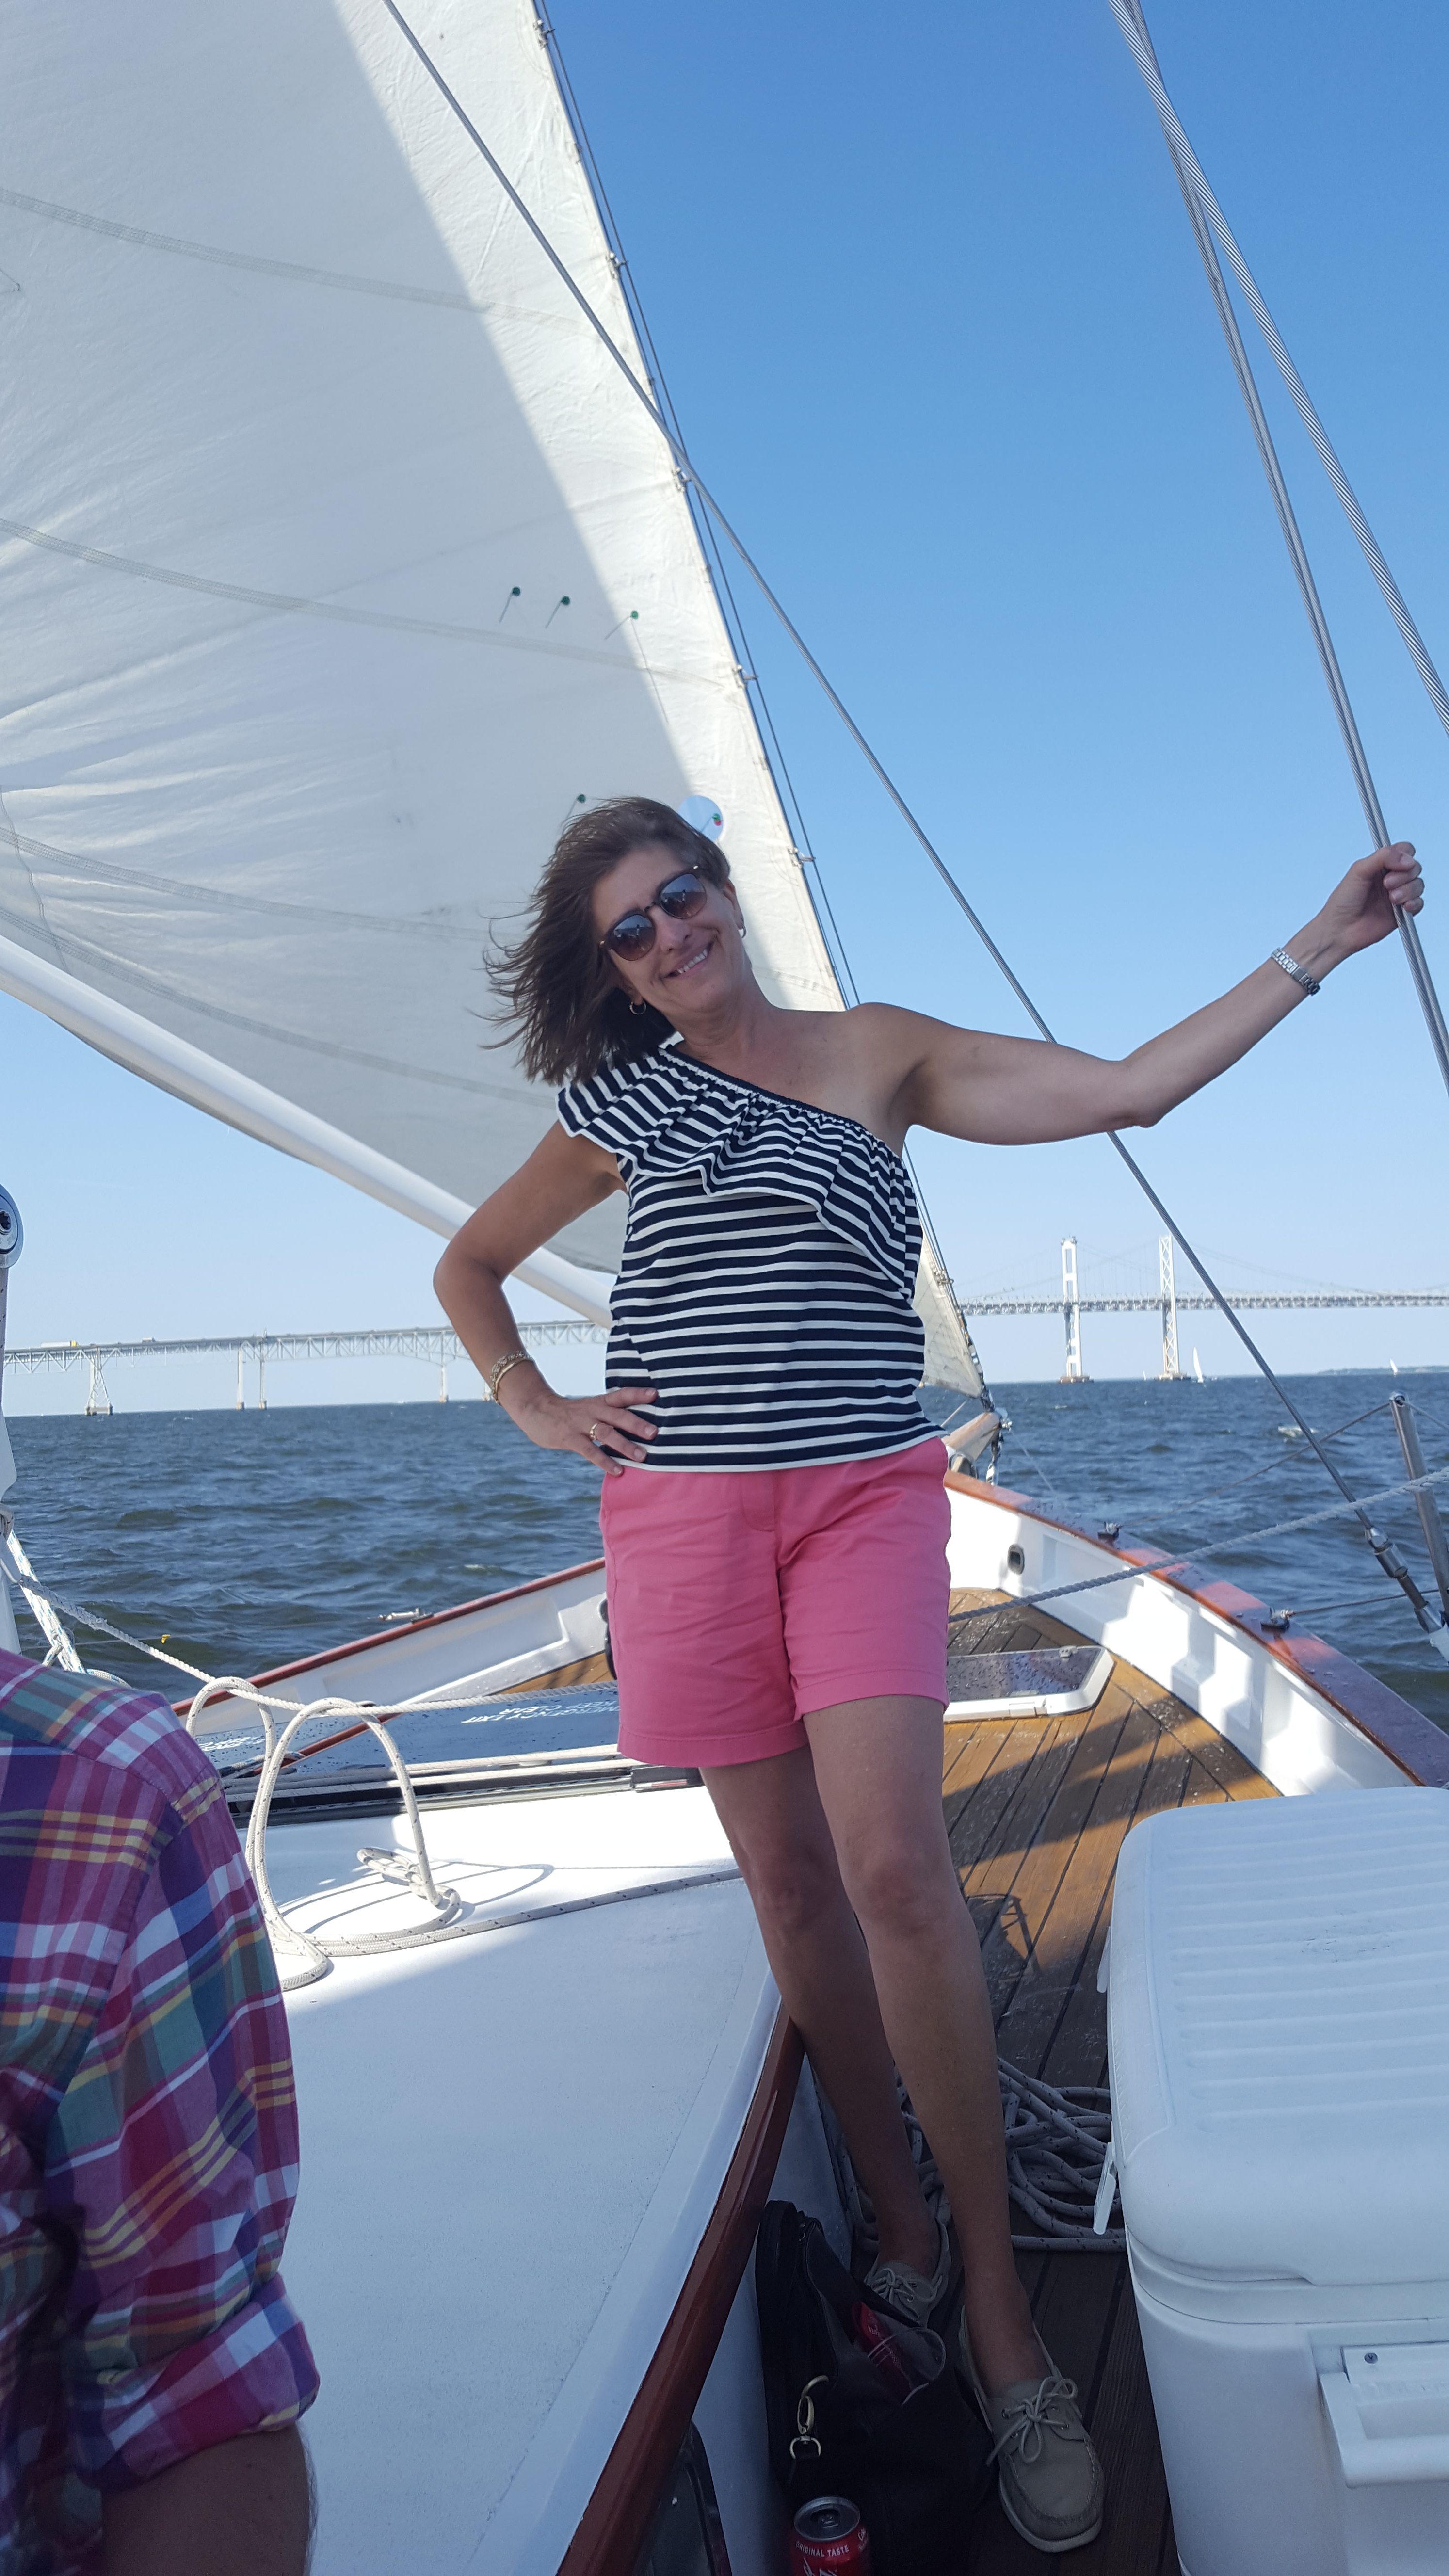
(43, 921)
(293, 272)
(247, 597)
(110, 872)
(86, 953)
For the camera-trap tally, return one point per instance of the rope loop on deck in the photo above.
(1056, 2140)
(317, 1952)
(1056, 2145)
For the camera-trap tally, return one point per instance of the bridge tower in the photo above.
(1171, 1366)
(1072, 1374)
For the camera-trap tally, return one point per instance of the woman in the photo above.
(773, 1513)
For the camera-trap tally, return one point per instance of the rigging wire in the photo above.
(816, 890)
(1393, 1565)
(1426, 1416)
(715, 563)
(1206, 217)
(1178, 1563)
(1164, 1515)
(1044, 1472)
(465, 1694)
(1378, 1598)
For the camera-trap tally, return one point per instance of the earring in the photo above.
(637, 1007)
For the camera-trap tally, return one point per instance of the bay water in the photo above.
(246, 1540)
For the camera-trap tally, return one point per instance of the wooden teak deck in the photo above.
(1037, 1809)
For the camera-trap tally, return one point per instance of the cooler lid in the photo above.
(1278, 2029)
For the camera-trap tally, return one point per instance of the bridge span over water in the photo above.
(438, 1345)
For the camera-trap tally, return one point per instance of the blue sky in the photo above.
(928, 306)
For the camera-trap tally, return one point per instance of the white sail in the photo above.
(341, 566)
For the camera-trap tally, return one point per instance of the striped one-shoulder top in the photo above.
(768, 1270)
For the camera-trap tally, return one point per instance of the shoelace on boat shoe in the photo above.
(1045, 2410)
(898, 2283)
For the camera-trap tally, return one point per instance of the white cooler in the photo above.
(1279, 2039)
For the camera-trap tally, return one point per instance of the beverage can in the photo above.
(827, 2534)
(899, 2369)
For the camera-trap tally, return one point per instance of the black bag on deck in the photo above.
(845, 2420)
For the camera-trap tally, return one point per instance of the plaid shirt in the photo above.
(148, 2128)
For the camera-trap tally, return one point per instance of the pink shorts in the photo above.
(739, 1603)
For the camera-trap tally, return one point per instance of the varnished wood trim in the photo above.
(587, 1668)
(616, 2520)
(405, 1628)
(1420, 1748)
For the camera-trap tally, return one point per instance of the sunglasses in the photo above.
(681, 897)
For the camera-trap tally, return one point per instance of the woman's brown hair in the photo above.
(570, 1014)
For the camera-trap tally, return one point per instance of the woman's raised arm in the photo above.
(1024, 1091)
(562, 1178)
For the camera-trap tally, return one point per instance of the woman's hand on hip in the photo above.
(602, 1428)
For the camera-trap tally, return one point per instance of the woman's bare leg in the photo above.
(877, 1770)
(778, 1834)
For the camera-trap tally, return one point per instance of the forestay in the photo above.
(342, 566)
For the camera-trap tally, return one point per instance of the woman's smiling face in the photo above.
(693, 964)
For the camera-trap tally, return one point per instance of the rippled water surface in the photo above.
(247, 1539)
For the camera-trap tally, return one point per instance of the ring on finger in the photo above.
(594, 1435)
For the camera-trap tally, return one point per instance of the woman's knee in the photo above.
(902, 1890)
(794, 1892)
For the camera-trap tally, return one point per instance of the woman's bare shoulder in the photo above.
(883, 1034)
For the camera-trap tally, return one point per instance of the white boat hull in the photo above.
(534, 2155)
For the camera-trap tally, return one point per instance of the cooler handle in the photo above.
(1379, 2460)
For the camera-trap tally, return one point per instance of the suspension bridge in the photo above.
(437, 1346)
(1071, 1305)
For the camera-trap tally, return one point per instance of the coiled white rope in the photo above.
(318, 1953)
(1056, 2144)
(232, 1686)
(1056, 2140)
(313, 1952)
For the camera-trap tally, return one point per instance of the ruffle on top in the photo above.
(665, 1114)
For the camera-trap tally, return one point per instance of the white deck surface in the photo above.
(511, 2145)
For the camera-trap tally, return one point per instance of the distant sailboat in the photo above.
(1196, 1365)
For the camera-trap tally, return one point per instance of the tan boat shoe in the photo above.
(1049, 2477)
(913, 2293)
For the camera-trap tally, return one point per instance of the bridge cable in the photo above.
(1387, 1556)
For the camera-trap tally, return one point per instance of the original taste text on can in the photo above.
(828, 2534)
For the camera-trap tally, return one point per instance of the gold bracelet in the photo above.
(500, 1370)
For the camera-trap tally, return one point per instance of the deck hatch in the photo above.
(1044, 1681)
